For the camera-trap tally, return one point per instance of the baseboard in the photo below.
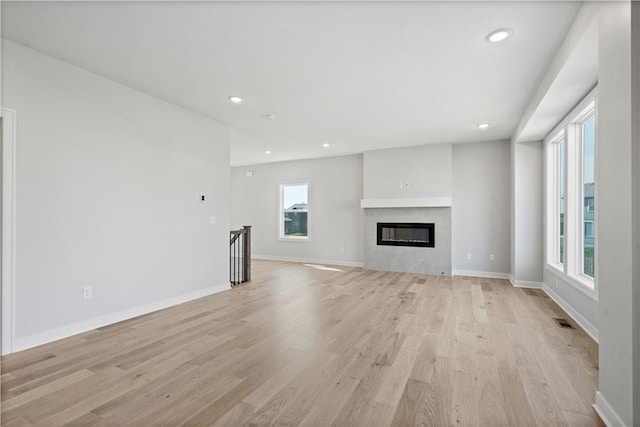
(577, 317)
(606, 412)
(309, 260)
(486, 274)
(45, 337)
(525, 283)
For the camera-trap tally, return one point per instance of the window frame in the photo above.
(281, 208)
(572, 270)
(553, 203)
(578, 123)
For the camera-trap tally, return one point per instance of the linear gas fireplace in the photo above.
(406, 234)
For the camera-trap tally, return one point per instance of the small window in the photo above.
(294, 211)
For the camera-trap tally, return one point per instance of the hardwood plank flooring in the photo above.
(319, 345)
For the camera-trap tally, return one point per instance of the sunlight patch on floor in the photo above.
(322, 267)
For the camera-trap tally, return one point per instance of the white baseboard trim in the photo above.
(108, 319)
(485, 274)
(606, 412)
(577, 317)
(309, 260)
(525, 283)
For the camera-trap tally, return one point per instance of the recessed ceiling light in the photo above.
(267, 152)
(326, 145)
(483, 125)
(235, 99)
(499, 35)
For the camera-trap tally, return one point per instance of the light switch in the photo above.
(212, 219)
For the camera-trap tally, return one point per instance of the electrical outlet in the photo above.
(87, 292)
(492, 257)
(469, 255)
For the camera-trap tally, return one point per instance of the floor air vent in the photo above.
(563, 323)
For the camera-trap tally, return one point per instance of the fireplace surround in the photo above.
(409, 259)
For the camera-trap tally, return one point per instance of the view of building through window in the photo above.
(571, 193)
(561, 196)
(295, 210)
(588, 183)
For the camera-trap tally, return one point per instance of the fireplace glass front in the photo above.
(406, 234)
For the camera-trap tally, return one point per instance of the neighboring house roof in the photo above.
(297, 207)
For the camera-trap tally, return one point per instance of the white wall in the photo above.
(635, 88)
(2, 130)
(615, 220)
(582, 306)
(335, 216)
(481, 207)
(108, 185)
(478, 179)
(526, 197)
(426, 168)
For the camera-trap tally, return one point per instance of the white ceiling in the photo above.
(361, 76)
(572, 75)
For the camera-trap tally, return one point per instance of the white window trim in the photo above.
(571, 270)
(577, 284)
(578, 265)
(553, 206)
(280, 226)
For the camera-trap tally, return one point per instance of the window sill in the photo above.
(585, 282)
(582, 284)
(295, 239)
(556, 268)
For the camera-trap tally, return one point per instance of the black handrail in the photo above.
(240, 255)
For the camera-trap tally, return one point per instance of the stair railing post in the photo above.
(247, 253)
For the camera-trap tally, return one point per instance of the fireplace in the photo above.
(406, 234)
(408, 257)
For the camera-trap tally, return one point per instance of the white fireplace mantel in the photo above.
(413, 202)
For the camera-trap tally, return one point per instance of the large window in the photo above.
(557, 200)
(588, 142)
(561, 198)
(294, 211)
(571, 195)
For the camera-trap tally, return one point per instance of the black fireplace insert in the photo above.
(406, 234)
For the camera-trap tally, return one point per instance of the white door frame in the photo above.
(9, 138)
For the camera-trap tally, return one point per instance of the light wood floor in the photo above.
(303, 345)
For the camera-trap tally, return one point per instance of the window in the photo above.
(561, 213)
(557, 202)
(294, 212)
(588, 148)
(571, 234)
